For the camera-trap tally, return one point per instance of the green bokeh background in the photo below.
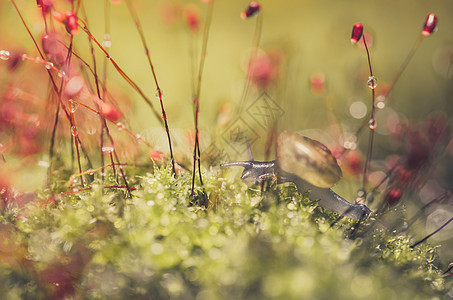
(314, 35)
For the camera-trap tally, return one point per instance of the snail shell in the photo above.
(308, 159)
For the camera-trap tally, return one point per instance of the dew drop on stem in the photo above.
(107, 149)
(120, 126)
(73, 106)
(372, 82)
(360, 196)
(139, 138)
(5, 54)
(49, 65)
(430, 255)
(372, 124)
(74, 131)
(361, 193)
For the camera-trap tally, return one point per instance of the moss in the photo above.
(246, 245)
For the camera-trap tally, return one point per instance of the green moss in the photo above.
(244, 245)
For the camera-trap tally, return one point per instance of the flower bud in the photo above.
(252, 9)
(71, 22)
(357, 32)
(430, 25)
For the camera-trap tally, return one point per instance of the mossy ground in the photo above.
(241, 244)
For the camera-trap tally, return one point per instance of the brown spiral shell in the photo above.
(308, 159)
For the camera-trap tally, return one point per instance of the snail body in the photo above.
(310, 166)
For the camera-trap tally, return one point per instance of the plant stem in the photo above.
(159, 91)
(196, 99)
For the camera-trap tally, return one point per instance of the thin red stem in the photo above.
(433, 233)
(196, 100)
(56, 89)
(159, 91)
(255, 45)
(403, 67)
(120, 71)
(371, 121)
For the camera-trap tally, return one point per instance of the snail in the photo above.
(310, 165)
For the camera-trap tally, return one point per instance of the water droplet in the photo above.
(430, 255)
(120, 126)
(74, 131)
(24, 56)
(372, 82)
(49, 65)
(75, 190)
(159, 94)
(450, 267)
(139, 138)
(5, 54)
(372, 124)
(107, 149)
(361, 193)
(61, 74)
(73, 106)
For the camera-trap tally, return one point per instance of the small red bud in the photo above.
(45, 5)
(252, 9)
(393, 196)
(357, 31)
(71, 22)
(430, 25)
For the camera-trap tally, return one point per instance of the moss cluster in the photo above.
(241, 244)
